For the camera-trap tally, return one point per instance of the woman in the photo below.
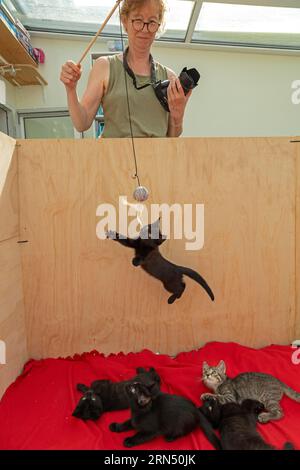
(106, 85)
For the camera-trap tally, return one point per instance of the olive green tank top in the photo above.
(148, 117)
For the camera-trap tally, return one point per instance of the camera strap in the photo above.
(131, 74)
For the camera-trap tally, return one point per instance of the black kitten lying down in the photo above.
(104, 395)
(154, 413)
(147, 256)
(237, 424)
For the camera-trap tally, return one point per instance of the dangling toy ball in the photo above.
(141, 194)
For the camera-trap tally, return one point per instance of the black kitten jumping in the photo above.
(154, 413)
(104, 395)
(147, 256)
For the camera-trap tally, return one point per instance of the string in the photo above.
(128, 105)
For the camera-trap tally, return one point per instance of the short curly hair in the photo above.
(129, 5)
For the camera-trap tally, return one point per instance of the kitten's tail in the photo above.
(196, 276)
(207, 428)
(290, 392)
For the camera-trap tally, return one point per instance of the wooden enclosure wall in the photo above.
(12, 319)
(297, 283)
(82, 293)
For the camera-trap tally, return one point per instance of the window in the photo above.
(79, 16)
(7, 125)
(3, 121)
(248, 24)
(265, 23)
(47, 125)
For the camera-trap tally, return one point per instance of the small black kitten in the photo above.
(104, 395)
(237, 424)
(154, 413)
(90, 406)
(147, 256)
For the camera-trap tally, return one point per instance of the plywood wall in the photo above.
(296, 143)
(83, 293)
(12, 319)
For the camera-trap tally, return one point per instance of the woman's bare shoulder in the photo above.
(101, 71)
(102, 63)
(105, 59)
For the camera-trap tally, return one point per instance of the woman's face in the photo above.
(149, 12)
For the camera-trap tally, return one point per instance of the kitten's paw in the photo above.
(114, 427)
(111, 235)
(208, 396)
(128, 442)
(264, 418)
(172, 299)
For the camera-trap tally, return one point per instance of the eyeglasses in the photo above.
(152, 26)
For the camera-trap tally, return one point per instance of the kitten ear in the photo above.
(205, 366)
(82, 388)
(155, 375)
(222, 367)
(140, 370)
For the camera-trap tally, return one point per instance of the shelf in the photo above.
(25, 75)
(11, 49)
(13, 52)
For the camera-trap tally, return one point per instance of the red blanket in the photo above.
(35, 412)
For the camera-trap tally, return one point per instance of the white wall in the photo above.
(239, 94)
(7, 94)
(8, 102)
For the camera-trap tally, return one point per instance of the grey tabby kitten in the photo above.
(250, 385)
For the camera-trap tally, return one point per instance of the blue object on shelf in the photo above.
(8, 23)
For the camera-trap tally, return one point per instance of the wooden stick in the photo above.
(97, 34)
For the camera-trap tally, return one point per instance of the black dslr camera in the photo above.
(188, 78)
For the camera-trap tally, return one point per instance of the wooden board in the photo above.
(297, 204)
(9, 209)
(83, 293)
(25, 75)
(12, 319)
